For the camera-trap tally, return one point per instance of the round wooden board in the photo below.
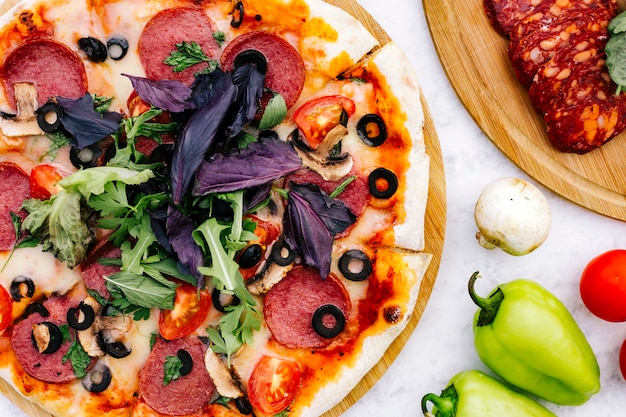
(474, 56)
(435, 222)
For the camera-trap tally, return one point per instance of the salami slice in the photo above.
(537, 39)
(47, 367)
(505, 14)
(587, 113)
(53, 67)
(181, 396)
(550, 79)
(14, 189)
(291, 304)
(168, 28)
(93, 274)
(285, 68)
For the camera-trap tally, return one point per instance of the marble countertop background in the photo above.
(442, 343)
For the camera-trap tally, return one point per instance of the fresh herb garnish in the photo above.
(274, 112)
(79, 359)
(171, 369)
(188, 54)
(220, 37)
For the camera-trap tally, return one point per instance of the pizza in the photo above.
(209, 208)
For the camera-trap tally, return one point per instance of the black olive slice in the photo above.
(86, 157)
(252, 57)
(33, 308)
(218, 302)
(98, 378)
(49, 117)
(282, 253)
(383, 183)
(56, 338)
(318, 321)
(22, 287)
(355, 265)
(186, 362)
(95, 50)
(81, 317)
(238, 15)
(243, 405)
(116, 350)
(250, 256)
(117, 48)
(371, 129)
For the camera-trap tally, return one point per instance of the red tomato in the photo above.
(603, 285)
(190, 310)
(319, 116)
(43, 179)
(268, 233)
(6, 309)
(273, 384)
(622, 359)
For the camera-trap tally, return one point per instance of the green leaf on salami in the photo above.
(171, 369)
(188, 54)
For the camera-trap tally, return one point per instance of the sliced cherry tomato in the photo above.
(319, 116)
(6, 309)
(43, 179)
(251, 256)
(622, 359)
(190, 310)
(273, 384)
(603, 285)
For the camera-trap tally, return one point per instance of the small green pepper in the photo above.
(528, 337)
(476, 394)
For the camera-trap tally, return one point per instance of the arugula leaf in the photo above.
(58, 140)
(220, 37)
(172, 367)
(142, 291)
(224, 269)
(132, 255)
(188, 54)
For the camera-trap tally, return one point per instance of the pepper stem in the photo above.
(488, 306)
(445, 404)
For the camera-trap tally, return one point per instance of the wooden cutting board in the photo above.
(475, 59)
(434, 235)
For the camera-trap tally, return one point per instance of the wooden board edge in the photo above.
(507, 136)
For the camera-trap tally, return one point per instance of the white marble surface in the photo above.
(442, 343)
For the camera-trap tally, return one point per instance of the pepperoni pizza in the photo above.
(209, 208)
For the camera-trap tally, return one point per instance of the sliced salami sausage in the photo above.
(291, 304)
(47, 367)
(549, 80)
(537, 39)
(53, 67)
(355, 195)
(14, 189)
(168, 28)
(285, 68)
(93, 273)
(588, 113)
(505, 14)
(181, 396)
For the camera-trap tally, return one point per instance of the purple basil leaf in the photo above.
(335, 215)
(207, 86)
(250, 83)
(170, 95)
(258, 164)
(306, 234)
(197, 137)
(84, 124)
(256, 196)
(179, 228)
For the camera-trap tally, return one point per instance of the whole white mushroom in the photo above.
(513, 215)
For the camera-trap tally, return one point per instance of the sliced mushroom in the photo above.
(46, 337)
(221, 376)
(112, 329)
(269, 277)
(321, 160)
(24, 123)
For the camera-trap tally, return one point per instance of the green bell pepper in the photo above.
(529, 338)
(476, 394)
